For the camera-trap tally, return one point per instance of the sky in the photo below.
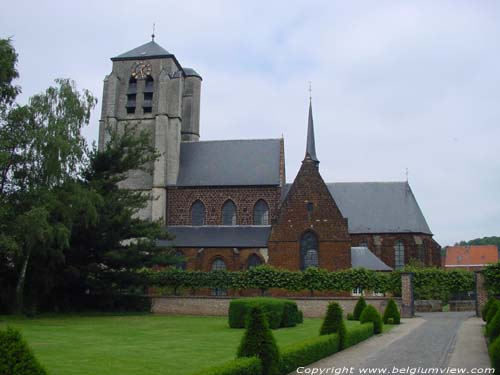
(396, 85)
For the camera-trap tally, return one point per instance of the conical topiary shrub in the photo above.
(16, 358)
(334, 323)
(491, 312)
(495, 355)
(371, 314)
(358, 309)
(258, 341)
(391, 313)
(493, 327)
(486, 307)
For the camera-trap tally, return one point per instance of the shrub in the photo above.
(258, 341)
(358, 309)
(392, 312)
(16, 358)
(486, 307)
(350, 316)
(370, 314)
(334, 322)
(308, 351)
(357, 334)
(495, 355)
(240, 366)
(279, 312)
(493, 327)
(492, 311)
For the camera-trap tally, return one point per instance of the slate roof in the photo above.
(230, 163)
(310, 143)
(218, 236)
(377, 207)
(146, 51)
(190, 72)
(362, 257)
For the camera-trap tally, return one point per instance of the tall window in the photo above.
(399, 254)
(309, 250)
(147, 105)
(131, 95)
(198, 214)
(229, 213)
(261, 213)
(253, 261)
(218, 265)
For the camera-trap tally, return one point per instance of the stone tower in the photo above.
(149, 89)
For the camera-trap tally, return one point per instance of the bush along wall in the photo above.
(279, 312)
(391, 313)
(492, 279)
(370, 314)
(429, 283)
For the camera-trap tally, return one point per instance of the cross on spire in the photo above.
(310, 91)
(153, 35)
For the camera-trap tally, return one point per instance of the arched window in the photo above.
(147, 105)
(253, 261)
(261, 213)
(219, 265)
(198, 214)
(399, 254)
(229, 213)
(182, 260)
(309, 250)
(131, 95)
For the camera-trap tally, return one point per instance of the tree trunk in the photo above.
(20, 285)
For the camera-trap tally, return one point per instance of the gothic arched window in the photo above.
(131, 95)
(261, 213)
(147, 105)
(198, 214)
(229, 213)
(399, 254)
(253, 261)
(309, 251)
(218, 265)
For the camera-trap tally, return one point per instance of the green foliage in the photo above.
(16, 358)
(486, 307)
(356, 334)
(371, 314)
(258, 341)
(8, 72)
(308, 351)
(492, 278)
(481, 241)
(350, 316)
(358, 309)
(240, 366)
(494, 351)
(493, 327)
(279, 312)
(334, 323)
(391, 312)
(495, 306)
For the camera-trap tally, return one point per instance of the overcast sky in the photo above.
(396, 84)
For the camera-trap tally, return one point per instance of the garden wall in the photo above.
(312, 307)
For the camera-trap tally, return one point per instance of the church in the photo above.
(227, 202)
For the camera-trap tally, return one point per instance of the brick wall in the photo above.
(311, 307)
(180, 200)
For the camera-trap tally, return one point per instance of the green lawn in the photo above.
(139, 344)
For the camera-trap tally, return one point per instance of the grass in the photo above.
(139, 344)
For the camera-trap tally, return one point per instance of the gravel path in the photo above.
(426, 341)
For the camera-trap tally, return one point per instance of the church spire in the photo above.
(311, 145)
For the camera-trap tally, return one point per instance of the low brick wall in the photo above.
(218, 306)
(429, 305)
(462, 305)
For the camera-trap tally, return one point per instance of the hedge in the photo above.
(493, 327)
(356, 334)
(16, 358)
(240, 366)
(429, 283)
(391, 313)
(279, 312)
(492, 278)
(486, 308)
(371, 314)
(308, 351)
(494, 352)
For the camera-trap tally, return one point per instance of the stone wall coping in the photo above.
(374, 298)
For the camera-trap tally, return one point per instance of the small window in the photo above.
(229, 213)
(310, 207)
(399, 254)
(253, 261)
(363, 244)
(309, 250)
(147, 105)
(261, 213)
(198, 214)
(219, 265)
(181, 261)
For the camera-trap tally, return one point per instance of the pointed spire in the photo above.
(311, 144)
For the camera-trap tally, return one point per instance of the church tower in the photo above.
(149, 89)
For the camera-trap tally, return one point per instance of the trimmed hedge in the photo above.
(16, 358)
(486, 307)
(495, 306)
(279, 312)
(240, 366)
(308, 351)
(371, 314)
(334, 323)
(392, 312)
(493, 327)
(358, 309)
(494, 351)
(356, 334)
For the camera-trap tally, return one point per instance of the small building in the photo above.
(471, 258)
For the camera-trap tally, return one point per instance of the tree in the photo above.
(334, 323)
(258, 341)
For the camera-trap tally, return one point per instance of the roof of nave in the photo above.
(230, 163)
(362, 257)
(377, 207)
